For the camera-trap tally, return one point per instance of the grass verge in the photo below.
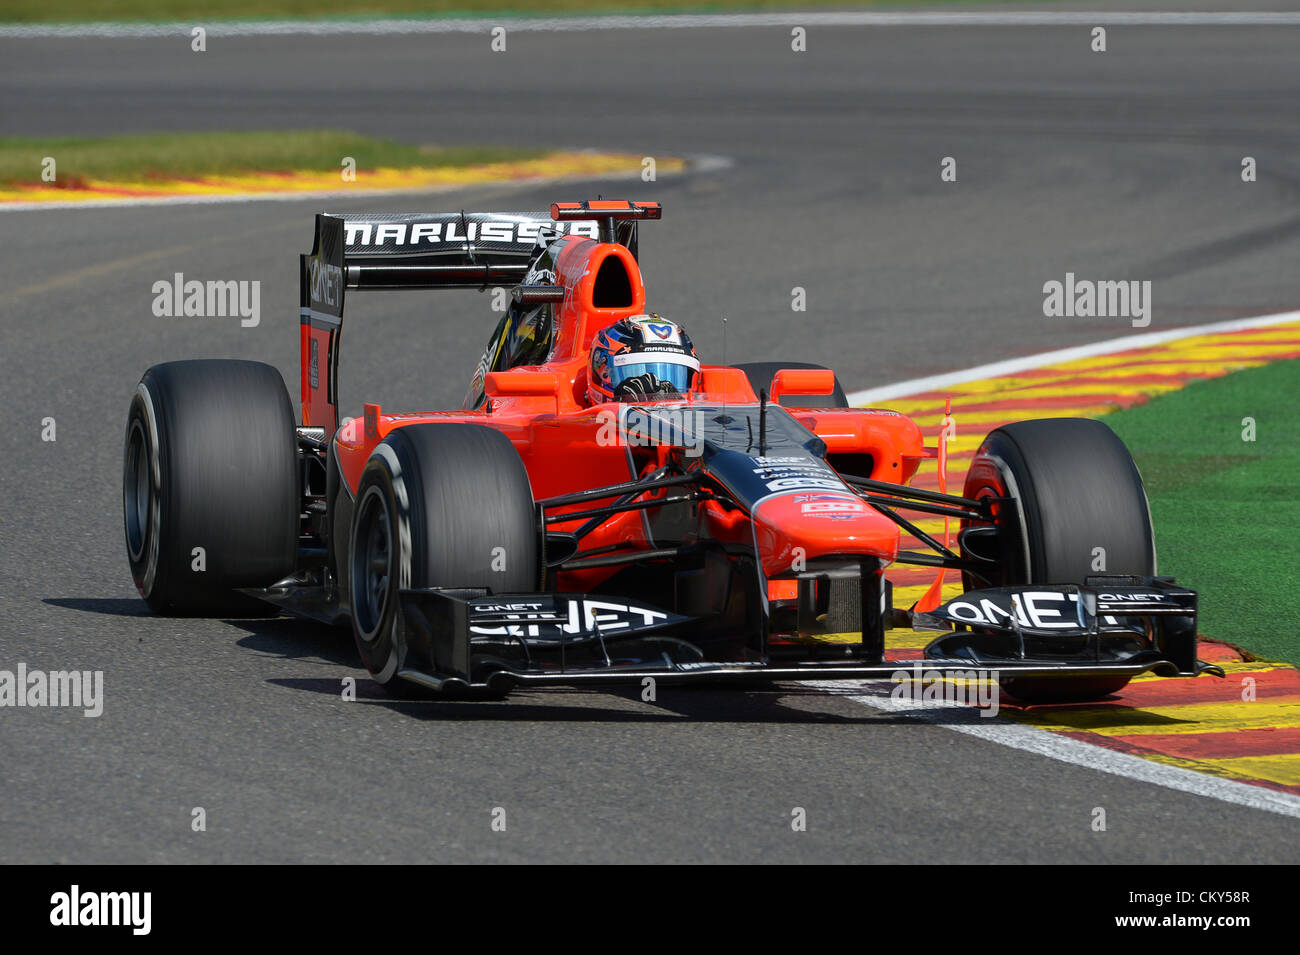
(189, 155)
(1226, 510)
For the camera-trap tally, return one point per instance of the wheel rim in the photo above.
(995, 480)
(135, 492)
(372, 562)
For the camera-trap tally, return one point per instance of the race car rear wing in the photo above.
(444, 250)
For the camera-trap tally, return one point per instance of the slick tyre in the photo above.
(761, 373)
(210, 485)
(1078, 504)
(438, 505)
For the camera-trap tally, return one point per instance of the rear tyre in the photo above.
(210, 485)
(1079, 504)
(761, 373)
(438, 505)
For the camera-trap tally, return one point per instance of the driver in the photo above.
(640, 357)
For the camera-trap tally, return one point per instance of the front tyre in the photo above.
(1078, 508)
(438, 505)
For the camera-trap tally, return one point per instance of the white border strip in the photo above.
(916, 386)
(391, 26)
(1031, 739)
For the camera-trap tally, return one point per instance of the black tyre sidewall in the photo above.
(1077, 489)
(222, 462)
(142, 518)
(382, 642)
(453, 494)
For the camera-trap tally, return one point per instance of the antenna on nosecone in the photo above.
(724, 364)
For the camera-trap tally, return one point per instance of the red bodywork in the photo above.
(544, 412)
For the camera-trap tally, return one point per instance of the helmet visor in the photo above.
(675, 369)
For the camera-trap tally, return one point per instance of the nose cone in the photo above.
(800, 527)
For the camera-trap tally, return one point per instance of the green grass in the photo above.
(71, 11)
(196, 154)
(1227, 511)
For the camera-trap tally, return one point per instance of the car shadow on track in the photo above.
(305, 641)
(110, 606)
(605, 705)
(292, 638)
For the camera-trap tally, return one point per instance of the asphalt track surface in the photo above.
(1123, 165)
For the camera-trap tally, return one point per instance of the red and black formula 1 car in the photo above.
(721, 528)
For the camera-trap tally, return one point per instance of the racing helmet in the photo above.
(642, 356)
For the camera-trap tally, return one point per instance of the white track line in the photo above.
(917, 386)
(1031, 739)
(390, 26)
